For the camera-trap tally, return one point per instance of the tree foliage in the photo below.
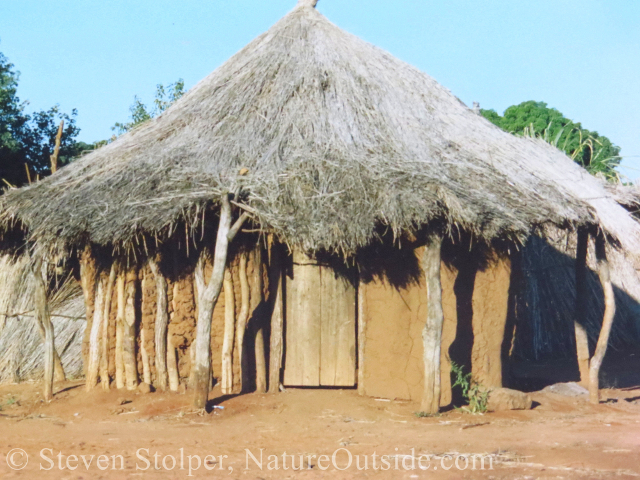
(140, 113)
(535, 119)
(27, 141)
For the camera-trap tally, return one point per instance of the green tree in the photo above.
(535, 119)
(29, 139)
(13, 123)
(39, 140)
(140, 113)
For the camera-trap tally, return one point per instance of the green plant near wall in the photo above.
(476, 395)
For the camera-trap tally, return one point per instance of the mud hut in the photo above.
(287, 222)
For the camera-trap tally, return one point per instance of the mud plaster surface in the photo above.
(393, 363)
(182, 321)
(490, 304)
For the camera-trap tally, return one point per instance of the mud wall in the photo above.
(182, 321)
(490, 304)
(182, 310)
(395, 316)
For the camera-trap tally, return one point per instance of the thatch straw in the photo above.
(21, 345)
(628, 196)
(339, 138)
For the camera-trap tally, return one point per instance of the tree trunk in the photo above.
(162, 321)
(582, 292)
(208, 293)
(361, 335)
(261, 364)
(41, 303)
(609, 313)
(94, 338)
(120, 293)
(58, 369)
(104, 340)
(129, 337)
(59, 375)
(243, 317)
(88, 279)
(172, 366)
(277, 318)
(229, 330)
(257, 298)
(432, 333)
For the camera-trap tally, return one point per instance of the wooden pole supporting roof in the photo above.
(162, 321)
(609, 314)
(276, 283)
(582, 293)
(432, 332)
(208, 293)
(41, 302)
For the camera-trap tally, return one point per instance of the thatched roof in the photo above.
(339, 138)
(627, 196)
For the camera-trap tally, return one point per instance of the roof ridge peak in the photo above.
(307, 3)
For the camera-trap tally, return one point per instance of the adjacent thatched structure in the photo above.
(21, 345)
(308, 137)
(545, 299)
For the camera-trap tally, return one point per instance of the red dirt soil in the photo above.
(561, 438)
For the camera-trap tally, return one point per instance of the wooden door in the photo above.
(320, 327)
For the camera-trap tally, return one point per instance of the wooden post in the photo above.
(88, 277)
(609, 313)
(229, 330)
(582, 292)
(261, 364)
(432, 333)
(172, 366)
(41, 303)
(361, 334)
(277, 318)
(58, 369)
(120, 283)
(129, 332)
(162, 321)
(257, 297)
(94, 337)
(243, 317)
(104, 340)
(208, 293)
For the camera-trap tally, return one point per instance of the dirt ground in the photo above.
(561, 438)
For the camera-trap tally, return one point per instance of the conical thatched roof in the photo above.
(339, 138)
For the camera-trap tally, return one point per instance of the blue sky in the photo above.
(581, 57)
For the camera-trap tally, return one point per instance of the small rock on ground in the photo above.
(144, 388)
(502, 399)
(571, 389)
